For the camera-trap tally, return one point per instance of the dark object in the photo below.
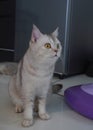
(89, 71)
(80, 99)
(56, 88)
(6, 56)
(61, 76)
(7, 29)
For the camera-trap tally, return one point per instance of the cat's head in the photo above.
(45, 47)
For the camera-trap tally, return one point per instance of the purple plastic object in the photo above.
(80, 98)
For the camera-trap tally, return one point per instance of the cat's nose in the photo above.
(56, 50)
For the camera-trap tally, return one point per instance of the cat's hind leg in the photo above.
(16, 100)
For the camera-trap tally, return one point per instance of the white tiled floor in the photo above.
(62, 116)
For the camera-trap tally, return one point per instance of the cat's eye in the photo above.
(47, 45)
(57, 46)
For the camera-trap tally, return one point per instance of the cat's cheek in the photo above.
(58, 55)
(59, 52)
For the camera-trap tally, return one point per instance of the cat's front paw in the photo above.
(44, 116)
(27, 122)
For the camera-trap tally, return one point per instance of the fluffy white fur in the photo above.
(34, 74)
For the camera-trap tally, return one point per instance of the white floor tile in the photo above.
(62, 116)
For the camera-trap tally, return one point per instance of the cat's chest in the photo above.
(41, 81)
(37, 80)
(40, 86)
(37, 83)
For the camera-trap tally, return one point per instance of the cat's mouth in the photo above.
(55, 54)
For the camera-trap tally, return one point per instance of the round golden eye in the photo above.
(57, 46)
(47, 45)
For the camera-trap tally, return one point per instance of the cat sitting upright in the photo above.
(34, 74)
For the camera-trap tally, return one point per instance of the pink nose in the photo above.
(56, 50)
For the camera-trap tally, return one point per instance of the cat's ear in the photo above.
(36, 34)
(55, 33)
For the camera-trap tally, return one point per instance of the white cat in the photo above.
(33, 77)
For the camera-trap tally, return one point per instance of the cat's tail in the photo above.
(8, 68)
